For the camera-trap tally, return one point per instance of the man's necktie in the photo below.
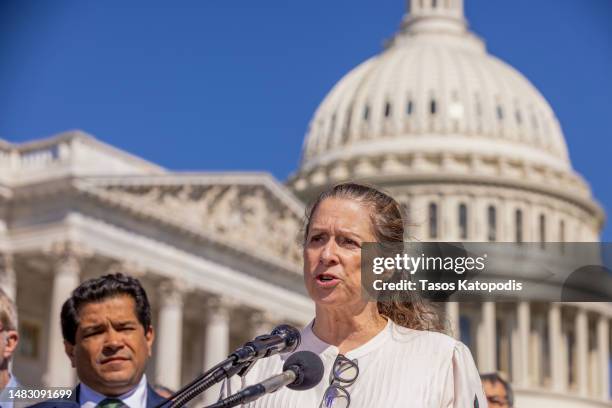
(111, 403)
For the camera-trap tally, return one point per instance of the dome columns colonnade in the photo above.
(535, 344)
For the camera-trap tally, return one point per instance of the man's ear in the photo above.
(69, 349)
(11, 339)
(149, 337)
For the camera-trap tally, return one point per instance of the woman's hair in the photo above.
(386, 217)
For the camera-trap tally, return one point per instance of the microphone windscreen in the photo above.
(290, 334)
(309, 367)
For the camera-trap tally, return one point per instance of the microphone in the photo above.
(302, 371)
(283, 339)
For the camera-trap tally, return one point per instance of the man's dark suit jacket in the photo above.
(153, 400)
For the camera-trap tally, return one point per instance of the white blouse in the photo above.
(399, 367)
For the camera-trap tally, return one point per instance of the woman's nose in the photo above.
(329, 254)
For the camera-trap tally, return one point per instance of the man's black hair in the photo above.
(494, 378)
(97, 290)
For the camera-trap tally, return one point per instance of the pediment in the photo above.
(250, 212)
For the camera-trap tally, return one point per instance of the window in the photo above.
(518, 226)
(492, 223)
(500, 113)
(409, 108)
(465, 331)
(433, 220)
(542, 230)
(432, 106)
(366, 113)
(29, 340)
(434, 3)
(519, 118)
(388, 109)
(463, 227)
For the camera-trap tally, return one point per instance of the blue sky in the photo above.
(231, 85)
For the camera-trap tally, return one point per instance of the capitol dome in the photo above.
(474, 153)
(434, 103)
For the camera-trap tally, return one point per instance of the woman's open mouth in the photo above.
(326, 280)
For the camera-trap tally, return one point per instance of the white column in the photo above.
(522, 372)
(452, 316)
(169, 337)
(448, 218)
(582, 351)
(65, 280)
(8, 278)
(216, 342)
(554, 341)
(486, 337)
(603, 346)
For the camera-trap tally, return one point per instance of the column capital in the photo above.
(216, 303)
(172, 291)
(68, 255)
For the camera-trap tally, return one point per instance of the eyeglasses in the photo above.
(343, 374)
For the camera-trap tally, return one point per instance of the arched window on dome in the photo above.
(434, 4)
(432, 106)
(433, 220)
(518, 226)
(491, 223)
(518, 117)
(500, 112)
(409, 107)
(542, 228)
(388, 109)
(366, 113)
(463, 221)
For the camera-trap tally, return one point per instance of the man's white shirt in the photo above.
(135, 398)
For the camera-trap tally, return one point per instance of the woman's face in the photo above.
(332, 251)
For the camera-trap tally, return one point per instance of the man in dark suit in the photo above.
(108, 336)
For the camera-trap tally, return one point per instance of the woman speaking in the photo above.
(387, 355)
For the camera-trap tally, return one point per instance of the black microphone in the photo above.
(283, 339)
(302, 371)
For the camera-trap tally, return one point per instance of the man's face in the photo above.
(496, 394)
(111, 347)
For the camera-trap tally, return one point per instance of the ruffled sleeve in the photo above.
(463, 388)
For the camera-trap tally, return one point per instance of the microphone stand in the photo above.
(239, 362)
(225, 369)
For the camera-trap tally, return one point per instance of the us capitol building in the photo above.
(464, 141)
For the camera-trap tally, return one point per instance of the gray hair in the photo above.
(8, 312)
